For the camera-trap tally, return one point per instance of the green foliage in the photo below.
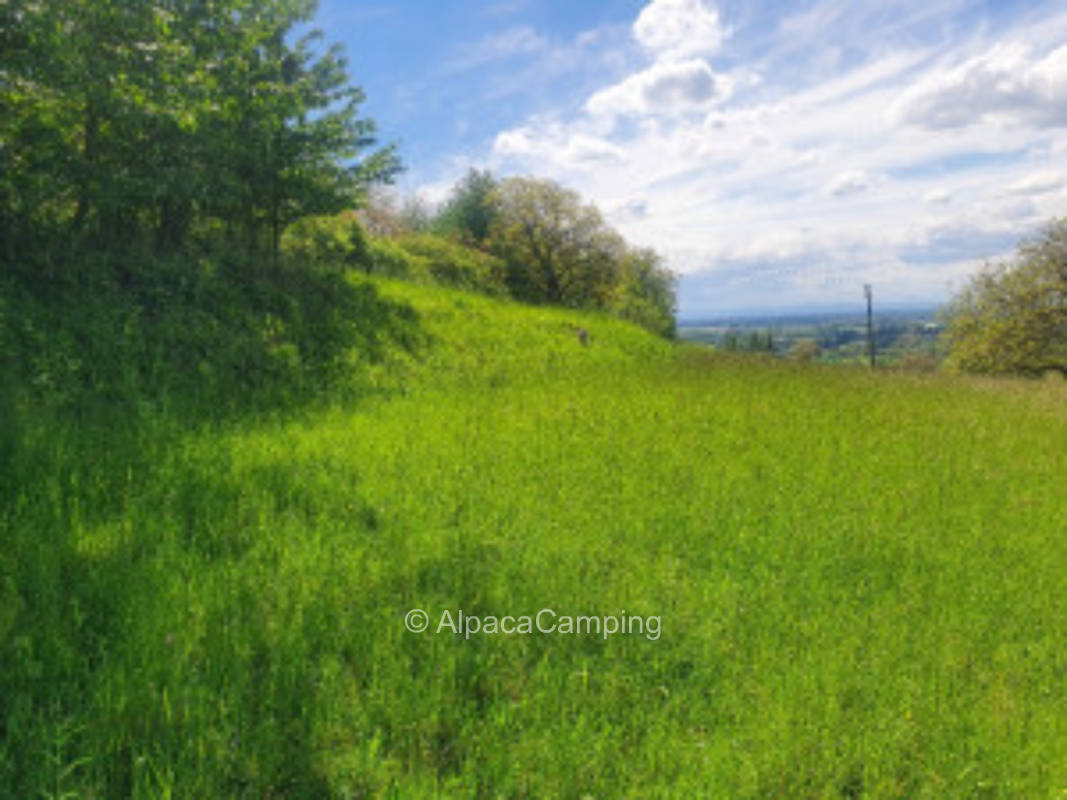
(531, 239)
(132, 121)
(1012, 317)
(755, 342)
(150, 157)
(220, 339)
(334, 241)
(390, 259)
(646, 293)
(452, 264)
(558, 251)
(339, 242)
(469, 212)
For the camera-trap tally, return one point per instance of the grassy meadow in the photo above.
(861, 581)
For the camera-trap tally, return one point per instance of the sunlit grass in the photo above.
(861, 582)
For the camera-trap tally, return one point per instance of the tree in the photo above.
(122, 121)
(1012, 316)
(281, 134)
(646, 292)
(558, 250)
(468, 213)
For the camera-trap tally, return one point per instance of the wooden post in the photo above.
(870, 325)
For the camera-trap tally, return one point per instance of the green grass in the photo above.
(861, 581)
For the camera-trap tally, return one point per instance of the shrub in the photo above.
(335, 241)
(390, 259)
(804, 350)
(452, 264)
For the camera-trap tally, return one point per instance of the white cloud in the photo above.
(678, 29)
(569, 150)
(1008, 82)
(583, 149)
(1037, 183)
(854, 181)
(664, 88)
(938, 197)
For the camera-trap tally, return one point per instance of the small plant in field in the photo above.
(804, 351)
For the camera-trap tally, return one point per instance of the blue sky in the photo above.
(777, 154)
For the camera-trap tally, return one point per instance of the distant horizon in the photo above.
(695, 318)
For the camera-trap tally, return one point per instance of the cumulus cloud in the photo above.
(552, 142)
(664, 88)
(854, 181)
(588, 149)
(678, 35)
(678, 29)
(1007, 82)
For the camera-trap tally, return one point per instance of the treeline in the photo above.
(526, 238)
(163, 123)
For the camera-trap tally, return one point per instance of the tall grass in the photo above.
(860, 579)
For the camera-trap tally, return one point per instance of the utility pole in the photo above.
(870, 325)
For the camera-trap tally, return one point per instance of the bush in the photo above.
(390, 259)
(452, 264)
(646, 313)
(646, 294)
(804, 350)
(333, 241)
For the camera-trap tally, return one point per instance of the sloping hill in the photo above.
(647, 571)
(473, 340)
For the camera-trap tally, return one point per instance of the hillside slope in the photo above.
(472, 340)
(805, 581)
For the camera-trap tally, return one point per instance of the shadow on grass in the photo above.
(103, 373)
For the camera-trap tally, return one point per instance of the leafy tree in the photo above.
(123, 121)
(760, 342)
(646, 292)
(558, 250)
(150, 155)
(1012, 316)
(285, 127)
(555, 249)
(468, 213)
